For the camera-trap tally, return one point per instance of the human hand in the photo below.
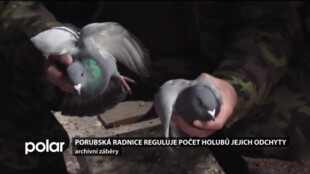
(205, 129)
(55, 75)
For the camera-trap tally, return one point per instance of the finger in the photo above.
(64, 82)
(190, 130)
(215, 80)
(48, 63)
(203, 75)
(58, 78)
(68, 90)
(65, 59)
(52, 72)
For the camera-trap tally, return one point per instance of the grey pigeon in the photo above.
(201, 101)
(95, 51)
(198, 101)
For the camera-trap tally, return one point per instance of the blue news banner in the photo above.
(113, 146)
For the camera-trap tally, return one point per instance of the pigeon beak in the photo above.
(213, 119)
(78, 88)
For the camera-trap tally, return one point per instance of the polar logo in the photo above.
(44, 147)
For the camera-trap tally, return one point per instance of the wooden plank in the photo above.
(80, 126)
(131, 127)
(92, 127)
(125, 113)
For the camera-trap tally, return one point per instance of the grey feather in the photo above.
(180, 96)
(165, 99)
(116, 40)
(95, 51)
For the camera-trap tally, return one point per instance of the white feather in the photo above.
(55, 42)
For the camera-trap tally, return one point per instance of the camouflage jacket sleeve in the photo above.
(261, 41)
(24, 17)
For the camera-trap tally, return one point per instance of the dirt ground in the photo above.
(136, 160)
(206, 165)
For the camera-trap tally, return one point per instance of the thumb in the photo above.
(64, 59)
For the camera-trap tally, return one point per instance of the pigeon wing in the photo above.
(113, 38)
(165, 98)
(56, 41)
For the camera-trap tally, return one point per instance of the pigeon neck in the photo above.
(95, 72)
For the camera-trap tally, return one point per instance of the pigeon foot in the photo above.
(122, 80)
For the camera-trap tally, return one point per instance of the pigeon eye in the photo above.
(82, 74)
(201, 104)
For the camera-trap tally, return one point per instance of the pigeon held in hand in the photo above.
(95, 51)
(200, 100)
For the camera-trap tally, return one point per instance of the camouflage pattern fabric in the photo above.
(271, 81)
(24, 114)
(30, 17)
(251, 45)
(260, 61)
(284, 113)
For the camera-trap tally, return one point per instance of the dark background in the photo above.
(164, 27)
(157, 25)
